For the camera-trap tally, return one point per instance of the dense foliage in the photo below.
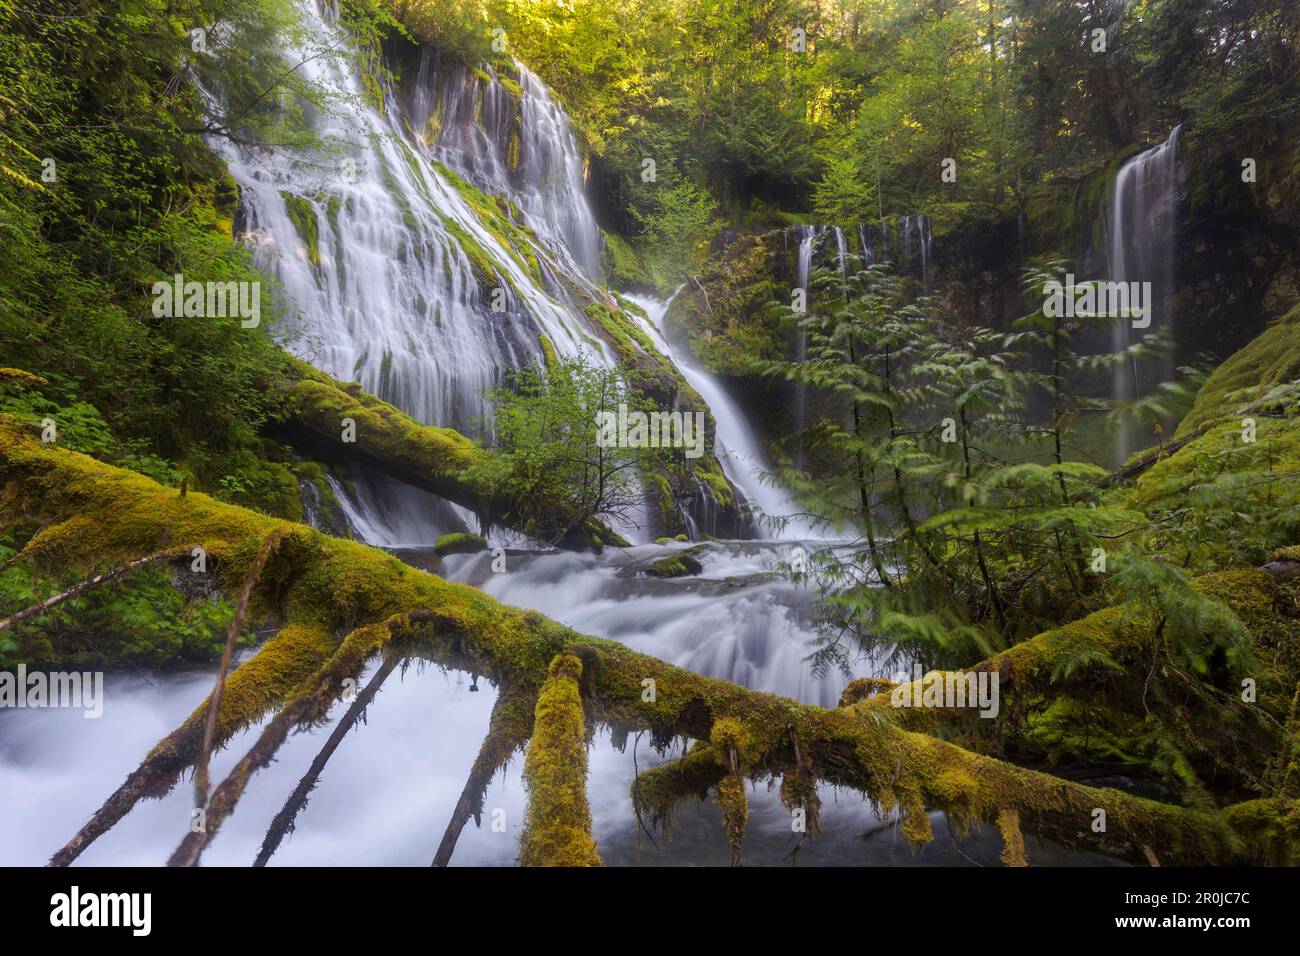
(846, 110)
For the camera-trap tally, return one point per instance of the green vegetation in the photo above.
(551, 464)
(848, 110)
(976, 530)
(951, 427)
(338, 602)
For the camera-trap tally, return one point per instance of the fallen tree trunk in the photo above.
(337, 421)
(323, 588)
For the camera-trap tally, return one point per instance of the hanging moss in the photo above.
(1013, 841)
(557, 831)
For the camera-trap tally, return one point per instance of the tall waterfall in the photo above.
(1141, 231)
(389, 261)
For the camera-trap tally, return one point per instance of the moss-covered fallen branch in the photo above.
(283, 823)
(557, 831)
(340, 421)
(323, 588)
(307, 705)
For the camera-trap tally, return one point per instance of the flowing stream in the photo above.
(381, 282)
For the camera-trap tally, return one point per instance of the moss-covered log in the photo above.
(341, 422)
(1260, 599)
(324, 588)
(557, 831)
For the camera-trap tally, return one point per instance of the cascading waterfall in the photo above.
(1141, 231)
(381, 257)
(864, 238)
(808, 236)
(737, 446)
(526, 152)
(842, 253)
(915, 229)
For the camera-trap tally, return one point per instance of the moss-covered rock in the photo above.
(678, 565)
(302, 213)
(1273, 358)
(623, 265)
(459, 543)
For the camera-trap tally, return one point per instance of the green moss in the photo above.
(1171, 481)
(678, 565)
(459, 544)
(1013, 841)
(657, 791)
(381, 429)
(302, 213)
(1272, 358)
(709, 471)
(1271, 828)
(549, 355)
(623, 265)
(557, 830)
(494, 215)
(225, 200)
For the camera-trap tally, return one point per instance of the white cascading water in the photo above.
(914, 235)
(1141, 229)
(868, 253)
(808, 236)
(389, 296)
(736, 445)
(842, 253)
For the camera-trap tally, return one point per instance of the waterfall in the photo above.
(526, 152)
(736, 445)
(917, 227)
(807, 243)
(1141, 229)
(389, 263)
(864, 237)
